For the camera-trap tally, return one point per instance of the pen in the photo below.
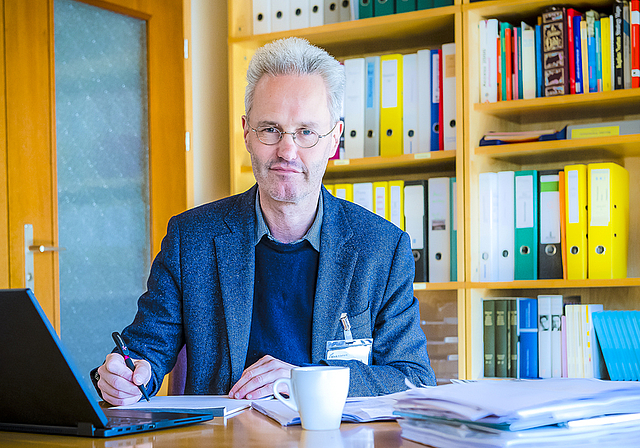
(124, 351)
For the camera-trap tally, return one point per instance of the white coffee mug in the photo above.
(318, 393)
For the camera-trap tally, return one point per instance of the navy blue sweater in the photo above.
(284, 288)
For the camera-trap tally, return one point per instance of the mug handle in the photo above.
(289, 402)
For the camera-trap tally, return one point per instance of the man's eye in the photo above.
(270, 130)
(306, 132)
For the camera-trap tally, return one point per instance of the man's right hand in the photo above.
(119, 385)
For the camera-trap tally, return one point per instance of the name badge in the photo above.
(349, 348)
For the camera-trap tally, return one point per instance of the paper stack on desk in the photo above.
(573, 412)
(356, 410)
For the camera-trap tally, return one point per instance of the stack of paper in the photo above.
(356, 410)
(522, 413)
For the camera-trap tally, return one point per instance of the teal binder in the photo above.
(424, 4)
(383, 7)
(439, 3)
(365, 9)
(454, 230)
(405, 6)
(526, 225)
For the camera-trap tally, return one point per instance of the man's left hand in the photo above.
(257, 380)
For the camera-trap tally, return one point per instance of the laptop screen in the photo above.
(39, 384)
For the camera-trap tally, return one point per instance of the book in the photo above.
(577, 42)
(591, 18)
(501, 337)
(556, 78)
(571, 14)
(618, 53)
(489, 337)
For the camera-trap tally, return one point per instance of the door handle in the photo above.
(29, 250)
(42, 248)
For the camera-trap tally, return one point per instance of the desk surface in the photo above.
(248, 429)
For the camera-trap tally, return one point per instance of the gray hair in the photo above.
(296, 56)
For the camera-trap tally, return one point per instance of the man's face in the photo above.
(284, 171)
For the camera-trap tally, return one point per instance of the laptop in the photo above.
(41, 389)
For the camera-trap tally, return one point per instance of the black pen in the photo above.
(124, 351)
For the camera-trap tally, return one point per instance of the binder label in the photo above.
(603, 131)
(549, 210)
(573, 202)
(600, 197)
(371, 71)
(389, 83)
(524, 202)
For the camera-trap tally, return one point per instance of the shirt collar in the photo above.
(312, 235)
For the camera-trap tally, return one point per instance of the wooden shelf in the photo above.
(375, 35)
(591, 149)
(550, 284)
(566, 107)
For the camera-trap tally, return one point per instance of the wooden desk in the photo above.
(248, 429)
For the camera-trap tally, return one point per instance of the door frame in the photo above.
(29, 183)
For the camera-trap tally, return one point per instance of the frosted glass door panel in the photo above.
(103, 174)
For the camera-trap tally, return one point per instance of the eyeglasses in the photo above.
(304, 138)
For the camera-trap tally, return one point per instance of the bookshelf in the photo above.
(540, 113)
(409, 32)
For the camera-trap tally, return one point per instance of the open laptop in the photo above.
(41, 390)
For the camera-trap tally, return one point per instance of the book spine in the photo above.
(591, 44)
(578, 53)
(626, 44)
(635, 43)
(571, 13)
(488, 311)
(585, 55)
(606, 53)
(617, 45)
(501, 327)
(484, 62)
(514, 62)
(598, 42)
(520, 77)
(556, 78)
(544, 336)
(539, 64)
(527, 338)
(508, 54)
(513, 339)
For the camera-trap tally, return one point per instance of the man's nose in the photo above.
(287, 147)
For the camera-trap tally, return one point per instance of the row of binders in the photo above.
(425, 209)
(566, 52)
(282, 15)
(400, 104)
(618, 334)
(540, 338)
(554, 224)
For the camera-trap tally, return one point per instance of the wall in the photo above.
(210, 139)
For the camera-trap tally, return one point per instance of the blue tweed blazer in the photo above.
(200, 293)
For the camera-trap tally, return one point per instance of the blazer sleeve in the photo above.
(156, 331)
(399, 345)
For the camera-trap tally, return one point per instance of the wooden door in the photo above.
(28, 176)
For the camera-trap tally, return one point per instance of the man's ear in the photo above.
(245, 130)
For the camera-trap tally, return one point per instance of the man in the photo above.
(257, 283)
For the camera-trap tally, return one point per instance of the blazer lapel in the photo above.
(235, 255)
(336, 267)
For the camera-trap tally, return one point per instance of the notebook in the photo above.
(41, 389)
